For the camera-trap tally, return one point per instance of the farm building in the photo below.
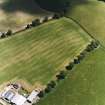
(11, 95)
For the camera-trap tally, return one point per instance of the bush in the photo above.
(45, 19)
(76, 61)
(56, 16)
(94, 44)
(28, 26)
(48, 89)
(3, 35)
(52, 84)
(61, 75)
(9, 33)
(41, 94)
(35, 22)
(70, 66)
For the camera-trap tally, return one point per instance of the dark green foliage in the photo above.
(48, 89)
(3, 35)
(28, 26)
(9, 33)
(92, 46)
(70, 66)
(56, 16)
(52, 84)
(35, 22)
(41, 94)
(45, 19)
(61, 75)
(95, 44)
(76, 61)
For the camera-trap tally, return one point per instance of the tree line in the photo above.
(63, 73)
(34, 23)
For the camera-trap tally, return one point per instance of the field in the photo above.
(91, 15)
(35, 56)
(85, 85)
(38, 54)
(12, 13)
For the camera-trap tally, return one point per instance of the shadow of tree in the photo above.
(58, 5)
(27, 6)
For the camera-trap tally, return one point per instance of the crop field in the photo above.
(36, 55)
(85, 85)
(91, 15)
(12, 13)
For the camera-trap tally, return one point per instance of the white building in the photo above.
(11, 96)
(18, 99)
(33, 96)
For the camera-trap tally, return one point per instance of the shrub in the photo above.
(94, 44)
(56, 16)
(41, 94)
(28, 26)
(76, 61)
(3, 35)
(48, 89)
(61, 75)
(52, 84)
(45, 19)
(35, 22)
(70, 66)
(9, 33)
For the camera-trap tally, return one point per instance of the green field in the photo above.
(91, 15)
(36, 55)
(12, 13)
(85, 85)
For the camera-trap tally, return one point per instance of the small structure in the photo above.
(33, 96)
(18, 99)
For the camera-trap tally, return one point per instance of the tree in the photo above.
(3, 35)
(76, 61)
(94, 44)
(80, 57)
(61, 75)
(41, 94)
(45, 19)
(48, 89)
(89, 48)
(35, 22)
(56, 16)
(28, 26)
(9, 33)
(70, 66)
(52, 84)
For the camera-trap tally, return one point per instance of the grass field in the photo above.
(85, 85)
(91, 15)
(12, 13)
(36, 55)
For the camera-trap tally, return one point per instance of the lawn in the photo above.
(36, 55)
(85, 85)
(12, 13)
(91, 15)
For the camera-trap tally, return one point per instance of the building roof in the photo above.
(8, 95)
(18, 99)
(33, 95)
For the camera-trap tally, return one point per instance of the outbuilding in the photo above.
(33, 96)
